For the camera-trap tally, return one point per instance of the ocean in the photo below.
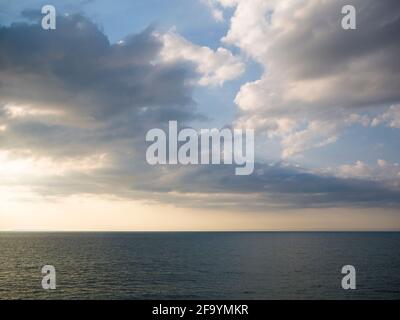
(233, 265)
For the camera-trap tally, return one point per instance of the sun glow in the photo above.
(26, 164)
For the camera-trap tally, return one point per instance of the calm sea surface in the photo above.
(282, 265)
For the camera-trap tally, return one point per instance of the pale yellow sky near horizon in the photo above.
(93, 213)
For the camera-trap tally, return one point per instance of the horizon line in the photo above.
(198, 231)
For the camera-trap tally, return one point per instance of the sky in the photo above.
(76, 103)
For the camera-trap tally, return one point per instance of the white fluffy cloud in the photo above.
(391, 117)
(214, 67)
(215, 9)
(318, 78)
(382, 170)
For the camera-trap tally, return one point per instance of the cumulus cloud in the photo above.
(70, 99)
(314, 71)
(75, 69)
(71, 91)
(216, 11)
(383, 172)
(214, 67)
(390, 118)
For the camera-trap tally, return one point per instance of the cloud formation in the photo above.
(76, 69)
(75, 108)
(391, 117)
(215, 67)
(316, 75)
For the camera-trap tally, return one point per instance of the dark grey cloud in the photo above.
(105, 92)
(277, 186)
(75, 68)
(365, 60)
(323, 46)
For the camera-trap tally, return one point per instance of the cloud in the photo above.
(75, 108)
(391, 118)
(315, 72)
(26, 165)
(359, 170)
(75, 69)
(274, 186)
(71, 92)
(381, 171)
(216, 11)
(214, 67)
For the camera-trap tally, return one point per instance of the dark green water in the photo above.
(284, 265)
